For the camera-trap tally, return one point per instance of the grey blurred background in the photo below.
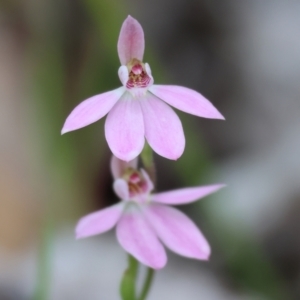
(242, 55)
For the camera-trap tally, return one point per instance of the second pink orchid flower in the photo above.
(144, 221)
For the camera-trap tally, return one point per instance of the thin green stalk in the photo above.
(147, 284)
(148, 161)
(128, 283)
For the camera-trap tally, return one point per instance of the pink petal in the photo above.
(163, 129)
(99, 222)
(177, 231)
(186, 195)
(124, 128)
(92, 109)
(118, 166)
(131, 42)
(121, 189)
(149, 183)
(123, 75)
(186, 100)
(138, 239)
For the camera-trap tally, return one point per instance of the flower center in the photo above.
(138, 77)
(136, 182)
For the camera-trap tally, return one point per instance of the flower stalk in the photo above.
(148, 162)
(128, 283)
(147, 284)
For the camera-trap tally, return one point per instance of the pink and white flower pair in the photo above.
(138, 109)
(144, 221)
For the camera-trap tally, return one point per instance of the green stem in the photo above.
(148, 161)
(128, 288)
(147, 284)
(133, 266)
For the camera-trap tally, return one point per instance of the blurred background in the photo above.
(242, 55)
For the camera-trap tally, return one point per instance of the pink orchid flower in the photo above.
(138, 109)
(144, 221)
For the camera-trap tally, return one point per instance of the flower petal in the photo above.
(186, 100)
(124, 128)
(99, 221)
(118, 166)
(177, 231)
(163, 129)
(123, 75)
(186, 195)
(121, 188)
(92, 109)
(137, 238)
(149, 183)
(131, 43)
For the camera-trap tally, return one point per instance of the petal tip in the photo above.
(217, 187)
(64, 130)
(206, 252)
(216, 115)
(172, 156)
(127, 157)
(129, 17)
(78, 237)
(222, 185)
(158, 263)
(221, 117)
(207, 255)
(177, 155)
(159, 266)
(175, 158)
(78, 231)
(203, 255)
